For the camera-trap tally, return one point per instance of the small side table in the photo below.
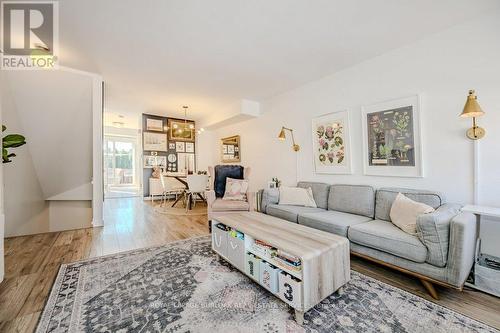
(480, 211)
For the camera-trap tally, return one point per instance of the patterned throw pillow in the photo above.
(236, 189)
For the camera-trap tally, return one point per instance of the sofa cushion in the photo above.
(434, 231)
(289, 212)
(354, 199)
(320, 192)
(220, 205)
(297, 196)
(332, 221)
(404, 213)
(385, 197)
(221, 173)
(385, 236)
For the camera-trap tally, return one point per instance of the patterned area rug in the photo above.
(198, 210)
(180, 287)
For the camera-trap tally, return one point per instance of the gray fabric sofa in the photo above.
(442, 252)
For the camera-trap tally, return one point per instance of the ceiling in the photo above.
(158, 55)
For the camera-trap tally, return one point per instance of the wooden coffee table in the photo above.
(325, 262)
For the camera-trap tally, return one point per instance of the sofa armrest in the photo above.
(251, 201)
(433, 230)
(462, 248)
(210, 198)
(269, 196)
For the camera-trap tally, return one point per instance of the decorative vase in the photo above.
(156, 172)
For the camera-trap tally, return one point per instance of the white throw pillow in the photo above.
(296, 196)
(236, 189)
(404, 212)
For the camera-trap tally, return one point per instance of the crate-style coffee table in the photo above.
(324, 257)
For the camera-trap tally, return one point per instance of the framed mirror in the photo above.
(230, 149)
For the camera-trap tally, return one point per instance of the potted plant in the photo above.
(10, 141)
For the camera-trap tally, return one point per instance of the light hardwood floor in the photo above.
(32, 262)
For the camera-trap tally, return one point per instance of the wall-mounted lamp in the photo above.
(472, 109)
(282, 137)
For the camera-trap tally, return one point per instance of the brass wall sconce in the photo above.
(282, 137)
(472, 109)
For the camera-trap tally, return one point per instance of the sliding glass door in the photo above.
(120, 165)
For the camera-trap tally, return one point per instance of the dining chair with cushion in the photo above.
(197, 185)
(217, 205)
(170, 187)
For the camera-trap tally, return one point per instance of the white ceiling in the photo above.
(158, 55)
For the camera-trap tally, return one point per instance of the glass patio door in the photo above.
(120, 164)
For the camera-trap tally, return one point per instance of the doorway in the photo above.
(121, 169)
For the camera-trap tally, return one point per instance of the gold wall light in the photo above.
(472, 109)
(282, 137)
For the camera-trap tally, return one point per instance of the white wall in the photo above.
(54, 111)
(26, 210)
(442, 68)
(205, 153)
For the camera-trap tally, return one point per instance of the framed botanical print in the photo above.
(179, 130)
(392, 143)
(154, 141)
(332, 143)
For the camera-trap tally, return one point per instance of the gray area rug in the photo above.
(180, 287)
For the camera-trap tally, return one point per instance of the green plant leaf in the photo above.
(6, 156)
(13, 140)
(4, 128)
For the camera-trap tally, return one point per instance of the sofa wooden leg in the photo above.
(430, 289)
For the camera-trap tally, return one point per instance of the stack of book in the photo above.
(263, 249)
(288, 261)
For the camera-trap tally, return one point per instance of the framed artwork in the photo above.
(392, 143)
(332, 143)
(179, 147)
(154, 125)
(154, 141)
(175, 132)
(186, 163)
(172, 162)
(189, 147)
(230, 149)
(151, 161)
(171, 145)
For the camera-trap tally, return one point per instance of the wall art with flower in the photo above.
(331, 143)
(392, 138)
